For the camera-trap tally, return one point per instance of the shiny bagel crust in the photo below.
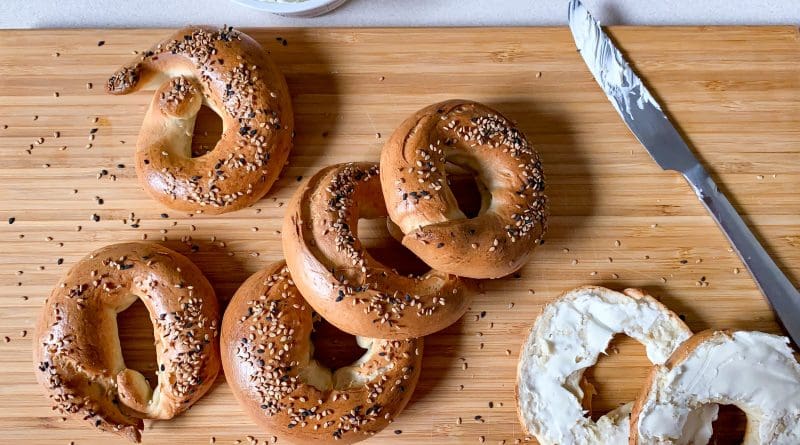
(342, 281)
(232, 74)
(77, 352)
(513, 217)
(268, 359)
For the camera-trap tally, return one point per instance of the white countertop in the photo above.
(173, 13)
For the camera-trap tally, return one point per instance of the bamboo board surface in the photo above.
(617, 220)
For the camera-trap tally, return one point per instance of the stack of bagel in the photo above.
(263, 341)
(328, 271)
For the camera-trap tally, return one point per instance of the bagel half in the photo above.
(755, 371)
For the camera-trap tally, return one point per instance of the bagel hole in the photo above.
(376, 238)
(617, 376)
(207, 131)
(468, 194)
(729, 426)
(136, 338)
(334, 348)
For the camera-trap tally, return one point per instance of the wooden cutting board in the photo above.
(617, 220)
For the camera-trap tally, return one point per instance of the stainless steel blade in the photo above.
(625, 90)
(643, 115)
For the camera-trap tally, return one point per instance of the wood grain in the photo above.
(733, 91)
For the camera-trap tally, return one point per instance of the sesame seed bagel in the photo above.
(513, 216)
(755, 371)
(77, 349)
(267, 355)
(341, 280)
(567, 339)
(232, 74)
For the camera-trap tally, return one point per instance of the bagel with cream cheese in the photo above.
(755, 371)
(269, 363)
(567, 339)
(513, 216)
(76, 344)
(232, 74)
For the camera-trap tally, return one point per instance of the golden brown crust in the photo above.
(232, 74)
(267, 357)
(342, 281)
(513, 218)
(76, 345)
(677, 357)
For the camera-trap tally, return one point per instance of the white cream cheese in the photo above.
(755, 371)
(607, 64)
(566, 340)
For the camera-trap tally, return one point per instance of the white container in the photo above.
(288, 8)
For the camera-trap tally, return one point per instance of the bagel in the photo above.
(77, 351)
(267, 355)
(513, 215)
(755, 371)
(567, 339)
(342, 281)
(230, 73)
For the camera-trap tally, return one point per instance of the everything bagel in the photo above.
(230, 73)
(513, 216)
(341, 280)
(77, 350)
(268, 359)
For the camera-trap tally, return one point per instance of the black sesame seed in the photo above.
(95, 217)
(101, 43)
(164, 215)
(93, 131)
(120, 165)
(11, 220)
(60, 261)
(440, 245)
(398, 431)
(299, 178)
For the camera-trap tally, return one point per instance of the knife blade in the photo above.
(649, 124)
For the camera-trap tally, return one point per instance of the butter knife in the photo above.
(643, 115)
